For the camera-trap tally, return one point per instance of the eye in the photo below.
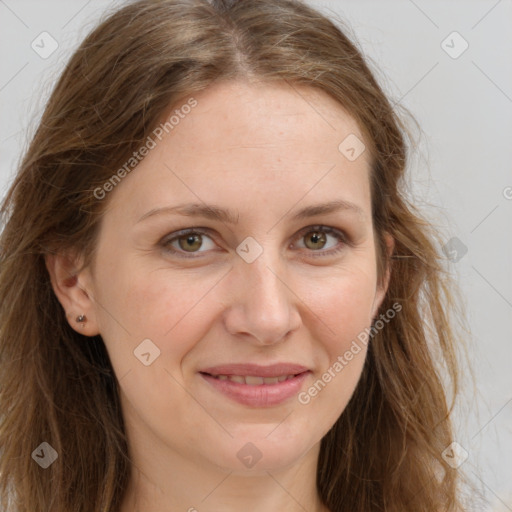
(187, 241)
(316, 238)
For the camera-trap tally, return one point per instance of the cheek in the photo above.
(171, 308)
(343, 306)
(344, 319)
(346, 311)
(328, 394)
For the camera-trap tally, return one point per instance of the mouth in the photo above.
(252, 380)
(257, 386)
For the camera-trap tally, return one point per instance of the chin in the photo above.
(257, 449)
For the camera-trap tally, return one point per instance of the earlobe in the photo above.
(72, 286)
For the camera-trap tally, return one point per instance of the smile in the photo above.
(256, 390)
(251, 380)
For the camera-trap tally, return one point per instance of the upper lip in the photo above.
(245, 369)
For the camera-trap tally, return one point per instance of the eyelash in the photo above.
(165, 243)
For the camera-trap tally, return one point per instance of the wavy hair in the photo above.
(384, 453)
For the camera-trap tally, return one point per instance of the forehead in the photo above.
(264, 116)
(271, 144)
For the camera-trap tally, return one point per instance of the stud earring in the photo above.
(81, 319)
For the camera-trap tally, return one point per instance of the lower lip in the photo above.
(261, 395)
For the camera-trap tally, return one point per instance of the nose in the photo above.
(262, 306)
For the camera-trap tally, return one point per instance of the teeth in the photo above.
(251, 380)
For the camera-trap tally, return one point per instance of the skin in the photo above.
(264, 151)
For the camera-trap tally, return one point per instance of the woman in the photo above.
(215, 295)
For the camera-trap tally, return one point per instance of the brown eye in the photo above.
(322, 241)
(194, 242)
(190, 243)
(317, 239)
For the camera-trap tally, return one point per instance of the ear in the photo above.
(72, 285)
(383, 288)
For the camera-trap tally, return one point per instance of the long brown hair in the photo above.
(385, 451)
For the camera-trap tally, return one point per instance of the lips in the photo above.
(254, 385)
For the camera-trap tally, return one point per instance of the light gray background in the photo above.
(461, 176)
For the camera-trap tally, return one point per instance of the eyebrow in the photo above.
(213, 212)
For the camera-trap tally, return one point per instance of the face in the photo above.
(197, 308)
